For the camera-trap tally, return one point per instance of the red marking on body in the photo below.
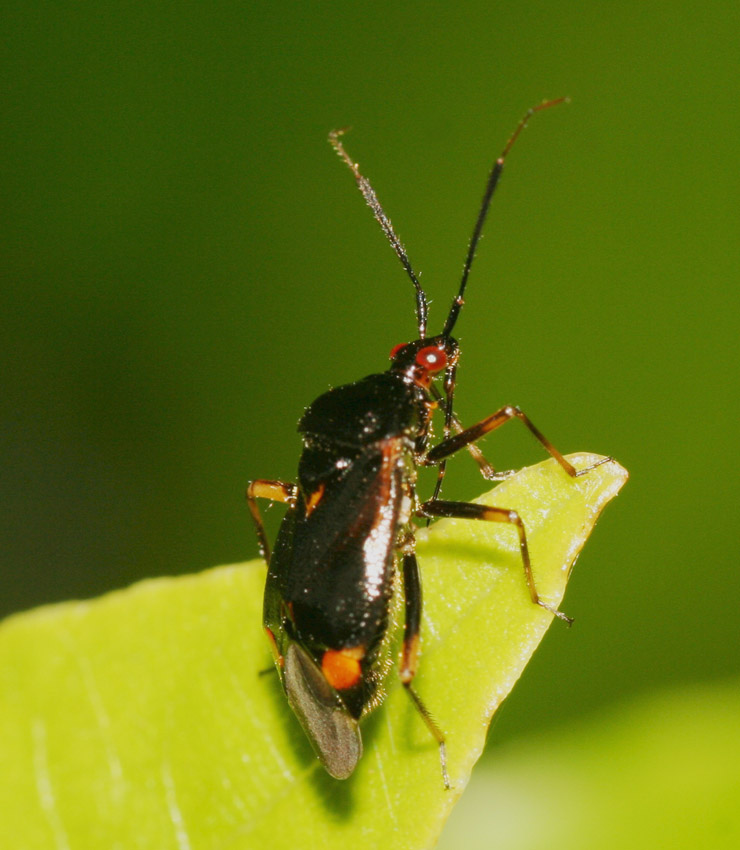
(383, 488)
(274, 647)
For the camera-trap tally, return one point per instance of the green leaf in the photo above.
(140, 720)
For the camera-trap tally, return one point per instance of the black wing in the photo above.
(334, 556)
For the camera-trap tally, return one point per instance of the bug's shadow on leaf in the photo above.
(481, 554)
(337, 795)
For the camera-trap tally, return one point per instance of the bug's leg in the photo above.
(467, 510)
(410, 653)
(460, 441)
(275, 491)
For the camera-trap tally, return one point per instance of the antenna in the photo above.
(422, 307)
(493, 179)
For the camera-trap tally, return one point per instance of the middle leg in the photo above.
(410, 654)
(468, 510)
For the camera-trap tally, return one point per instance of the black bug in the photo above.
(331, 577)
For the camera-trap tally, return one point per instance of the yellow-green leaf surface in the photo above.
(140, 720)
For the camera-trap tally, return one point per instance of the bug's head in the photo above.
(423, 360)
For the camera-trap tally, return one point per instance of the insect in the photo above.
(347, 536)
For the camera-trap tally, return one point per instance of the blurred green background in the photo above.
(185, 265)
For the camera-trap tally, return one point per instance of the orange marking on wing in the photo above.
(342, 667)
(314, 499)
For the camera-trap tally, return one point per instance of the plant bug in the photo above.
(331, 579)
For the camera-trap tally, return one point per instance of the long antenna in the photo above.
(493, 179)
(422, 308)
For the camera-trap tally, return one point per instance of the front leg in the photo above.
(465, 438)
(275, 491)
(452, 422)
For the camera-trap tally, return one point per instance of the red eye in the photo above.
(433, 359)
(396, 349)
